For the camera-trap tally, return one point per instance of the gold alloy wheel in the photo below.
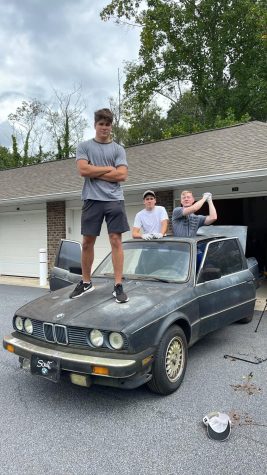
(174, 360)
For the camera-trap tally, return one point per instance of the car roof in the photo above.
(171, 238)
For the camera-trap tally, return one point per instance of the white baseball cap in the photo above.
(149, 192)
(218, 425)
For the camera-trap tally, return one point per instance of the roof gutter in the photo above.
(194, 180)
(38, 198)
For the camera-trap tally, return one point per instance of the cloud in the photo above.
(50, 44)
(5, 134)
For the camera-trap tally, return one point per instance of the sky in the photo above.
(48, 45)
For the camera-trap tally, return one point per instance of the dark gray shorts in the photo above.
(94, 212)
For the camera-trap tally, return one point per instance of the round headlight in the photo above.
(116, 340)
(96, 337)
(28, 326)
(19, 323)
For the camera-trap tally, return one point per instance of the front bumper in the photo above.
(129, 370)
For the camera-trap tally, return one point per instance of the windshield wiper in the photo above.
(106, 274)
(135, 277)
(145, 277)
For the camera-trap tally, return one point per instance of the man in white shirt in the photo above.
(152, 221)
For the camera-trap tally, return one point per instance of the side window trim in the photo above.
(58, 256)
(235, 239)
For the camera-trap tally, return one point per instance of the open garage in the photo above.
(250, 212)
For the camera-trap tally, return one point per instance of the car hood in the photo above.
(98, 309)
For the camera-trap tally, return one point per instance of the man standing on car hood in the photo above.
(102, 163)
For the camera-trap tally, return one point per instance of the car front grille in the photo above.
(55, 333)
(64, 335)
(48, 332)
(61, 334)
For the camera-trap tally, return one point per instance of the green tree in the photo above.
(65, 122)
(119, 130)
(215, 48)
(25, 121)
(116, 105)
(187, 116)
(145, 125)
(6, 158)
(17, 160)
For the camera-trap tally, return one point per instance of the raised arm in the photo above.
(195, 207)
(212, 212)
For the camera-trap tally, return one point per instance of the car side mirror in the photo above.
(210, 273)
(75, 270)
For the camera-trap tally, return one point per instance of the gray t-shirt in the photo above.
(186, 226)
(101, 154)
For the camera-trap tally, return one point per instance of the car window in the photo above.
(225, 256)
(163, 260)
(69, 255)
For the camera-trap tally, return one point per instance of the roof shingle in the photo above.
(234, 149)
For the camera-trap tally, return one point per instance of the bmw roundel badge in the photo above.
(60, 315)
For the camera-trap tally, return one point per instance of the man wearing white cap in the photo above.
(152, 221)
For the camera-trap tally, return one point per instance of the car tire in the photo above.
(246, 319)
(170, 362)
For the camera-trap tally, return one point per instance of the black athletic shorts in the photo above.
(94, 212)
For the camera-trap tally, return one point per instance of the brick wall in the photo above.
(165, 198)
(56, 229)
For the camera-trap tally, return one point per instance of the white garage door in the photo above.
(22, 235)
(102, 246)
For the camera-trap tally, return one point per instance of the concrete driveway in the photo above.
(62, 429)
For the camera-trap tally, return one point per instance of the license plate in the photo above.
(46, 367)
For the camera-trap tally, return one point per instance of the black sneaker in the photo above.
(121, 296)
(81, 289)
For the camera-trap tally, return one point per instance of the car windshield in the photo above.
(153, 260)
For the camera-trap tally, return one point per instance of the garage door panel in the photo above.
(19, 267)
(22, 235)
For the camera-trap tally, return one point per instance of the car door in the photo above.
(67, 269)
(225, 287)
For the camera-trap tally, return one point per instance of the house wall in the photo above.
(56, 229)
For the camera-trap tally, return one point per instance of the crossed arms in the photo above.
(107, 173)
